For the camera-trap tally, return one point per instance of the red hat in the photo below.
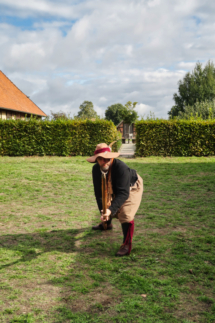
(103, 150)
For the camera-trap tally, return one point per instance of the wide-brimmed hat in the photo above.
(103, 150)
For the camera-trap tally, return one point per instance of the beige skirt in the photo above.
(128, 210)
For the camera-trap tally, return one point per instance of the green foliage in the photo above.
(175, 138)
(130, 116)
(119, 141)
(196, 86)
(149, 116)
(199, 111)
(59, 115)
(86, 111)
(60, 137)
(115, 113)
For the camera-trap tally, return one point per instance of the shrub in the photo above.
(60, 137)
(175, 138)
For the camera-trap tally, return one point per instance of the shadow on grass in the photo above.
(32, 245)
(82, 278)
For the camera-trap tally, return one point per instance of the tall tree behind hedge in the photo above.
(118, 112)
(197, 86)
(115, 113)
(59, 115)
(86, 111)
(200, 110)
(131, 115)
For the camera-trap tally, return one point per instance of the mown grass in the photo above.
(54, 268)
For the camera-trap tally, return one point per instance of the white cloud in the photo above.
(105, 51)
(102, 99)
(33, 7)
(188, 66)
(144, 110)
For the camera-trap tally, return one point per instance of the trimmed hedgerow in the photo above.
(175, 138)
(59, 138)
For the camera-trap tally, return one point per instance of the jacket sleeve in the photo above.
(97, 186)
(122, 188)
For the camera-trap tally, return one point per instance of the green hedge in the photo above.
(175, 138)
(59, 138)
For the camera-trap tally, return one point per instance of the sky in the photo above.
(61, 53)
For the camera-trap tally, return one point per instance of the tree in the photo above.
(59, 115)
(200, 110)
(118, 112)
(197, 86)
(131, 115)
(115, 113)
(86, 111)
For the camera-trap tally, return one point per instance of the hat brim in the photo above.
(106, 154)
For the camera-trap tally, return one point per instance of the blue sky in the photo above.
(61, 53)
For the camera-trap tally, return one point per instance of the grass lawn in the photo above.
(54, 268)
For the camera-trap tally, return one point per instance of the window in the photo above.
(9, 115)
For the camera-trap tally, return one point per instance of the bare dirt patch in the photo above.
(104, 297)
(190, 308)
(33, 294)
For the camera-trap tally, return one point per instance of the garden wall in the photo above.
(175, 138)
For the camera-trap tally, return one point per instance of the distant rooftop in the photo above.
(11, 98)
